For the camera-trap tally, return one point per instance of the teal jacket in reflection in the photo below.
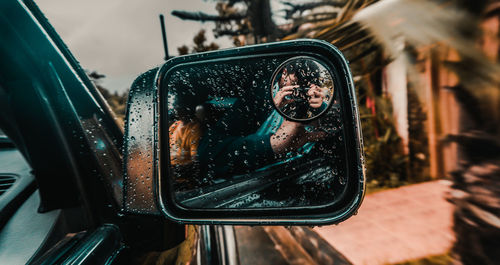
(274, 121)
(239, 142)
(232, 145)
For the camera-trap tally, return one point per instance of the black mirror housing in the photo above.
(225, 171)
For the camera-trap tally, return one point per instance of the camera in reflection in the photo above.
(300, 96)
(302, 89)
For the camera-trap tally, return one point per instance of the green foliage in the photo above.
(117, 102)
(418, 163)
(386, 164)
(444, 259)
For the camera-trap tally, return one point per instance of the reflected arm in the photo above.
(232, 146)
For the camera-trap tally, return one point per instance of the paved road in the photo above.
(278, 245)
(396, 225)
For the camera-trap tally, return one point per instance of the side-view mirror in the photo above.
(263, 134)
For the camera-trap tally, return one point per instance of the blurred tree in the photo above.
(183, 50)
(199, 45)
(476, 183)
(117, 102)
(239, 17)
(386, 164)
(418, 156)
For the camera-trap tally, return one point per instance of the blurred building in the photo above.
(444, 116)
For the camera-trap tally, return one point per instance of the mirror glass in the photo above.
(231, 145)
(302, 89)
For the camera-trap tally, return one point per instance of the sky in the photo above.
(122, 38)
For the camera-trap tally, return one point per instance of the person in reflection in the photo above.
(297, 93)
(184, 136)
(184, 140)
(231, 147)
(297, 75)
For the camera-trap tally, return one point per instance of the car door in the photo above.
(52, 116)
(66, 139)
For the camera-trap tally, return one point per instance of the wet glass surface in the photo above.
(108, 156)
(302, 88)
(229, 147)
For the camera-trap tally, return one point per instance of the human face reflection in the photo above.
(288, 79)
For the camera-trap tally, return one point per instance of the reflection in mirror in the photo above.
(230, 148)
(302, 89)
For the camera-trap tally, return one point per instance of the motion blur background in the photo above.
(427, 80)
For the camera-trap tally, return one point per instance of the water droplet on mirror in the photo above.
(342, 180)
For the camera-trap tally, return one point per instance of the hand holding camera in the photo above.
(285, 95)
